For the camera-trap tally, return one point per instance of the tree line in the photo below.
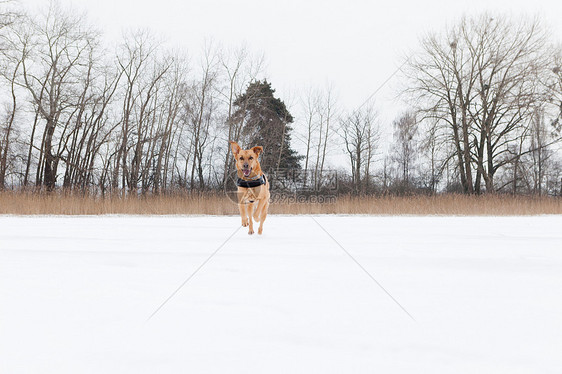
(139, 118)
(484, 113)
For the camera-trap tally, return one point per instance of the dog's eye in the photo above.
(242, 158)
(251, 158)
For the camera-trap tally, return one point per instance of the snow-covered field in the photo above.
(485, 292)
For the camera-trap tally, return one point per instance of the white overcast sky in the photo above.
(354, 45)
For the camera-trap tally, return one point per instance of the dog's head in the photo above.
(246, 159)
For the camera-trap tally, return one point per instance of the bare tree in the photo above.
(540, 152)
(9, 13)
(169, 127)
(405, 150)
(360, 133)
(141, 72)
(10, 71)
(480, 80)
(239, 68)
(319, 112)
(89, 128)
(529, 172)
(201, 109)
(54, 63)
(310, 111)
(555, 90)
(327, 111)
(432, 156)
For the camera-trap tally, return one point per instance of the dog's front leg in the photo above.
(243, 215)
(250, 209)
(261, 211)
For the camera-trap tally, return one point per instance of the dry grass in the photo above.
(33, 203)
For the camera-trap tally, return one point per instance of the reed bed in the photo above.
(26, 203)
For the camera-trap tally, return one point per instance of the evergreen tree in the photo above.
(264, 120)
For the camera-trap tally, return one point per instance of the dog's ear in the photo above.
(257, 150)
(235, 148)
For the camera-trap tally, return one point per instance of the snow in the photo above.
(485, 292)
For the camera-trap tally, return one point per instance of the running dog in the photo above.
(253, 186)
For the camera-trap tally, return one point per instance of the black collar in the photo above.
(251, 183)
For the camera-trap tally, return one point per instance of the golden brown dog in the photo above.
(250, 174)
